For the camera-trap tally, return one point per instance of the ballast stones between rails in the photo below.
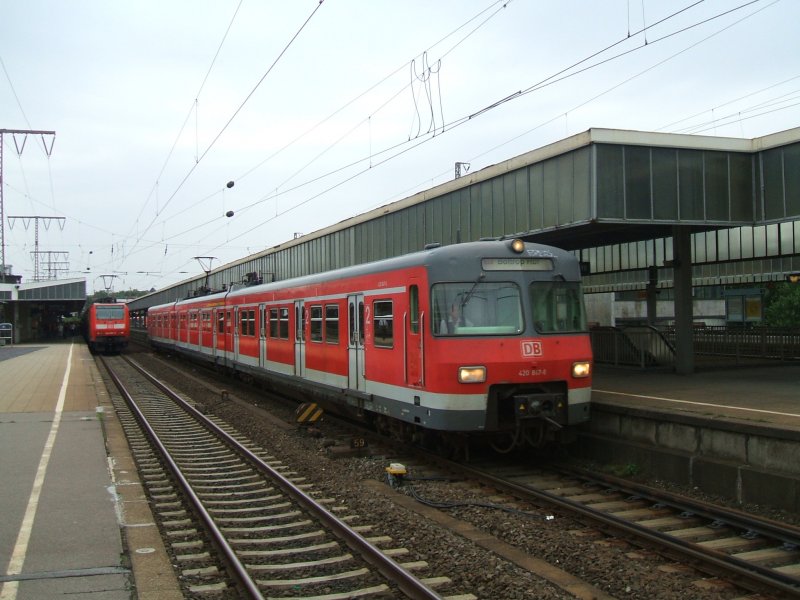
(277, 542)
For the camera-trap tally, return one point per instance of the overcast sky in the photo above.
(321, 111)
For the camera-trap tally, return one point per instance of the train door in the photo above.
(262, 336)
(193, 327)
(236, 334)
(215, 331)
(355, 342)
(413, 339)
(203, 341)
(229, 326)
(183, 328)
(299, 338)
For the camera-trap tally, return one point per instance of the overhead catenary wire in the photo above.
(564, 73)
(670, 126)
(232, 117)
(485, 18)
(154, 189)
(399, 148)
(393, 148)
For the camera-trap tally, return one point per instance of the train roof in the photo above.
(444, 260)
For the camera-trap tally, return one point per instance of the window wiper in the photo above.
(471, 291)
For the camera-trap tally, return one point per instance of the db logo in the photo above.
(531, 348)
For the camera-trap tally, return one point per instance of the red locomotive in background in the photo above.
(106, 326)
(477, 340)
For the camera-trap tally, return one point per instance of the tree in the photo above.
(782, 305)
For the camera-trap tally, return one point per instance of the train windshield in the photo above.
(557, 306)
(110, 312)
(477, 308)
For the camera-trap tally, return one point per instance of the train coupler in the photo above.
(539, 406)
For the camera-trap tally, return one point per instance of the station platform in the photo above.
(758, 393)
(75, 520)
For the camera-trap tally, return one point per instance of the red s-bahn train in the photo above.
(106, 326)
(482, 340)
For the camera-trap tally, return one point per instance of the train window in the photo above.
(273, 322)
(298, 331)
(352, 321)
(247, 322)
(316, 323)
(283, 324)
(476, 308)
(413, 301)
(332, 323)
(383, 323)
(220, 321)
(110, 312)
(557, 306)
(361, 323)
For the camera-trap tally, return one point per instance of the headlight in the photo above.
(581, 369)
(517, 245)
(471, 374)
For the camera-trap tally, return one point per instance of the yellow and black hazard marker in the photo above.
(308, 413)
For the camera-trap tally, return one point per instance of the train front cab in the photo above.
(516, 367)
(108, 327)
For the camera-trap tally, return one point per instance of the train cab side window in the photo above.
(383, 321)
(332, 323)
(413, 303)
(316, 323)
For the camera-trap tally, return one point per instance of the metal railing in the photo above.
(650, 347)
(6, 334)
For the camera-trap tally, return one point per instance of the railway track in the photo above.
(752, 553)
(238, 521)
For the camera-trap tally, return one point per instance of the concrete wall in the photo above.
(745, 462)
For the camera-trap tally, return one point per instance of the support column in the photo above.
(682, 280)
(651, 295)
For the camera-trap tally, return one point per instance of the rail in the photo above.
(393, 572)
